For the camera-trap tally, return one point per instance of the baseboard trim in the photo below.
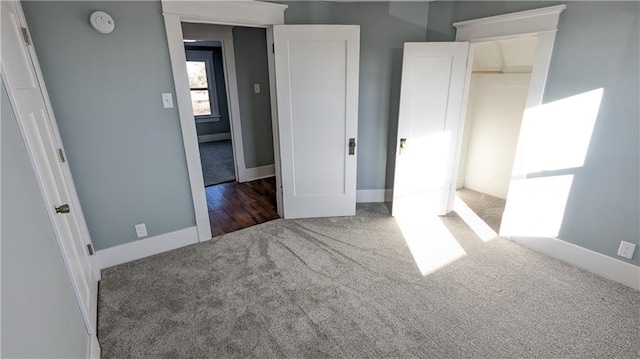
(214, 137)
(146, 247)
(605, 266)
(256, 173)
(374, 195)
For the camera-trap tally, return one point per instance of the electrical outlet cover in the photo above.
(141, 230)
(626, 249)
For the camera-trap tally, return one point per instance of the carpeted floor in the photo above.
(217, 162)
(348, 287)
(487, 207)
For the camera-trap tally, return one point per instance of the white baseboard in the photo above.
(256, 173)
(374, 195)
(214, 137)
(608, 267)
(146, 247)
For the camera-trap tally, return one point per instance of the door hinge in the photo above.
(273, 48)
(61, 155)
(25, 36)
(90, 249)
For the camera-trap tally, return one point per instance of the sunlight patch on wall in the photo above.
(536, 206)
(430, 242)
(556, 135)
(554, 141)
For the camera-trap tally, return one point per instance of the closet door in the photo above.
(431, 94)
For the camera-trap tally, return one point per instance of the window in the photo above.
(202, 84)
(199, 85)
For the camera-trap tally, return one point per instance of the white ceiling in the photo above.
(515, 55)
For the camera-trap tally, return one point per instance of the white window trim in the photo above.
(207, 57)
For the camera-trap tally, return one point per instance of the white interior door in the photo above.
(317, 94)
(20, 72)
(433, 80)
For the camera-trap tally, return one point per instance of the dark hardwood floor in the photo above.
(233, 206)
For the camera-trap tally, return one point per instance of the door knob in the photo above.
(63, 209)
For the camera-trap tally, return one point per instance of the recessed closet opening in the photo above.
(498, 91)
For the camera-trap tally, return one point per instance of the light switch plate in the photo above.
(256, 88)
(167, 100)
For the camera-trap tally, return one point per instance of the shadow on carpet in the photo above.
(216, 159)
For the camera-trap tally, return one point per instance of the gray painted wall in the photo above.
(596, 47)
(310, 12)
(40, 315)
(124, 149)
(384, 28)
(250, 46)
(126, 152)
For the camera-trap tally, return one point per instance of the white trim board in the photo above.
(214, 137)
(242, 13)
(131, 251)
(245, 13)
(522, 22)
(600, 264)
(256, 173)
(374, 195)
(187, 125)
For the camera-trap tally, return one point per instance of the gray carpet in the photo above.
(217, 162)
(348, 287)
(487, 207)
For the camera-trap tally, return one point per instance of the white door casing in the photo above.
(542, 23)
(28, 96)
(317, 69)
(433, 80)
(235, 13)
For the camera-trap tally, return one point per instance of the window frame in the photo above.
(206, 56)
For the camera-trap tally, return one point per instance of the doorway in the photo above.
(227, 71)
(498, 91)
(205, 70)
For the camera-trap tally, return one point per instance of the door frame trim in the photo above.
(542, 22)
(250, 14)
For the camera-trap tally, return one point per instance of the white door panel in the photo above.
(20, 75)
(433, 78)
(317, 85)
